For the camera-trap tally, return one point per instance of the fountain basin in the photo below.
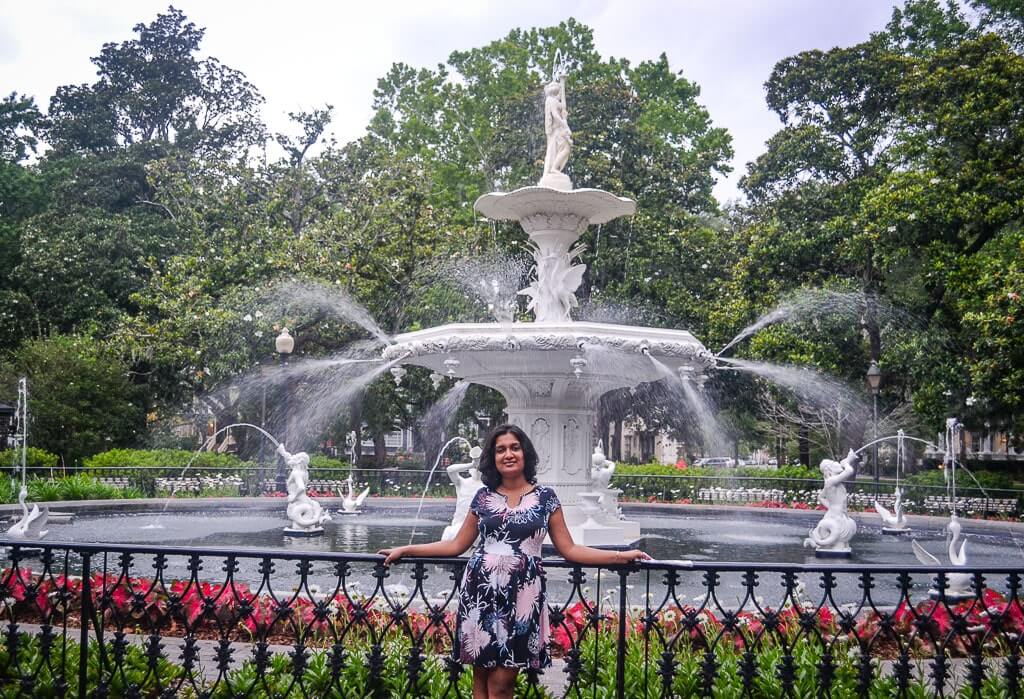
(694, 532)
(589, 206)
(552, 375)
(492, 353)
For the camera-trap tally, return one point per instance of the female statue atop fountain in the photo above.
(502, 624)
(556, 126)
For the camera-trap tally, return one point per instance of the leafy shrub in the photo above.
(36, 460)
(59, 666)
(987, 479)
(78, 487)
(174, 460)
(331, 465)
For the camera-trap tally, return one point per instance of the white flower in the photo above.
(259, 314)
(912, 217)
(247, 318)
(934, 180)
(891, 229)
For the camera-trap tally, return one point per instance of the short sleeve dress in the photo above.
(503, 616)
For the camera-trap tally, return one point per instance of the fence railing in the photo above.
(250, 480)
(107, 620)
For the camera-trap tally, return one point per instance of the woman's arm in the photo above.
(456, 547)
(576, 553)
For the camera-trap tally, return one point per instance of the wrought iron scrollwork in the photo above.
(119, 620)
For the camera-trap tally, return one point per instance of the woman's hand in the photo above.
(392, 555)
(631, 555)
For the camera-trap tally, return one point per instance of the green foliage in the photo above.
(986, 479)
(37, 460)
(896, 175)
(172, 459)
(318, 462)
(655, 469)
(77, 487)
(41, 672)
(80, 400)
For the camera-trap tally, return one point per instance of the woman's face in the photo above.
(508, 456)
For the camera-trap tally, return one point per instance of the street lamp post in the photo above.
(874, 377)
(284, 344)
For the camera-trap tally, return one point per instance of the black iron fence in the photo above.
(103, 620)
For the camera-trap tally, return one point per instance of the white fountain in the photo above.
(959, 586)
(351, 502)
(895, 522)
(553, 371)
(30, 525)
(306, 514)
(830, 538)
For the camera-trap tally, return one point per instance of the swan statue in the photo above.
(350, 505)
(306, 514)
(31, 524)
(893, 522)
(958, 585)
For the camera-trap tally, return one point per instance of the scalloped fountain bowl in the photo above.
(552, 376)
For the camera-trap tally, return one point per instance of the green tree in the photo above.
(153, 89)
(81, 401)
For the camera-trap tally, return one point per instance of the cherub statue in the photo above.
(465, 488)
(601, 472)
(833, 533)
(601, 469)
(306, 514)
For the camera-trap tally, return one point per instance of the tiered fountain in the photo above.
(553, 371)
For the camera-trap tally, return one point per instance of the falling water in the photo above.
(439, 416)
(430, 476)
(312, 296)
(210, 440)
(494, 281)
(808, 304)
(809, 385)
(600, 310)
(309, 393)
(683, 388)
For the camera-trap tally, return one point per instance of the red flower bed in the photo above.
(216, 611)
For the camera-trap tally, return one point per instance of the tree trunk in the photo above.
(357, 448)
(380, 451)
(615, 441)
(805, 447)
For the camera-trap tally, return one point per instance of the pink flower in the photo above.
(527, 599)
(472, 636)
(528, 501)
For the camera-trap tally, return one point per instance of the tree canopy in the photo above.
(143, 224)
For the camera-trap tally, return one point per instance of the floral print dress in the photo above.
(503, 616)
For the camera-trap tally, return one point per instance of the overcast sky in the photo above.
(302, 54)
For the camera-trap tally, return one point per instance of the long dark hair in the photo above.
(489, 470)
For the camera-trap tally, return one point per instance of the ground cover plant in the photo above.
(77, 487)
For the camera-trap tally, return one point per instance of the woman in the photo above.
(502, 623)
